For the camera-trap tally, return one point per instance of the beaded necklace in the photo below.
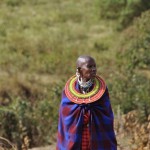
(85, 86)
(75, 96)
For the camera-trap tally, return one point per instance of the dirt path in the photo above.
(50, 147)
(123, 144)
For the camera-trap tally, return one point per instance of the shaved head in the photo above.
(82, 59)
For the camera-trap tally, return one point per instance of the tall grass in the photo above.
(39, 44)
(40, 41)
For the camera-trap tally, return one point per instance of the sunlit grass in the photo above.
(33, 30)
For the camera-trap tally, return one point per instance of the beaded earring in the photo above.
(77, 74)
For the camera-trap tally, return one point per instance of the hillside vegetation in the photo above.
(40, 41)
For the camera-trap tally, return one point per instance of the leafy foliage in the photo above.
(39, 43)
(137, 50)
(123, 10)
(36, 121)
(134, 55)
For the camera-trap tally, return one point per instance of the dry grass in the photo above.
(6, 144)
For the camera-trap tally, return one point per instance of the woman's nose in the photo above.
(93, 68)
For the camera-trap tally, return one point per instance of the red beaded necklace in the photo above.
(75, 96)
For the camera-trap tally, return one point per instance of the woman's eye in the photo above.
(89, 66)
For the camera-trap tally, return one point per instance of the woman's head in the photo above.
(86, 67)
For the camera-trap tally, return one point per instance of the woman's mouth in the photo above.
(93, 73)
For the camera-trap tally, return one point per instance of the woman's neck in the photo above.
(85, 86)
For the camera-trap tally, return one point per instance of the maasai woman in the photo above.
(85, 114)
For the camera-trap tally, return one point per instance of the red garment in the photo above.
(85, 133)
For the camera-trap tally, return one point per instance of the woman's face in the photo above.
(88, 69)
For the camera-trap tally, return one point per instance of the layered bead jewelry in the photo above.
(74, 94)
(85, 86)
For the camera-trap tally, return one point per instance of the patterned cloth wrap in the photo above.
(70, 126)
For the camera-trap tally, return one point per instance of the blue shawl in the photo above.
(102, 136)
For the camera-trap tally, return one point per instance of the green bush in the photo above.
(131, 87)
(39, 43)
(123, 10)
(35, 122)
(137, 50)
(111, 9)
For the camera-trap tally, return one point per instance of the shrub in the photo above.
(130, 87)
(29, 124)
(124, 11)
